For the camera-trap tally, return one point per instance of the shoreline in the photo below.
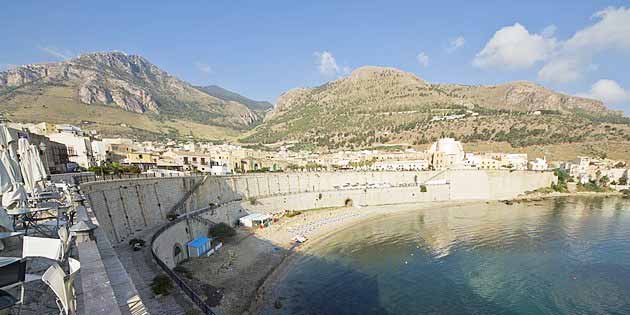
(259, 263)
(265, 293)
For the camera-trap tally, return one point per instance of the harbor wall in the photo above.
(125, 207)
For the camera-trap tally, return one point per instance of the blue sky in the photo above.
(263, 48)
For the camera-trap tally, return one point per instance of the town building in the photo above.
(79, 148)
(538, 164)
(447, 153)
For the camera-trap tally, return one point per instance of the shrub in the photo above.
(253, 201)
(221, 231)
(563, 177)
(161, 285)
(423, 188)
(591, 186)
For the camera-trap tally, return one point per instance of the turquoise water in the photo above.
(562, 256)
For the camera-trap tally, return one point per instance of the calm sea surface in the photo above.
(562, 256)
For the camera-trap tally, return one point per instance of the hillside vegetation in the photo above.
(375, 106)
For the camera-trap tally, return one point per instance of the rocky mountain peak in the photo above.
(376, 72)
(131, 83)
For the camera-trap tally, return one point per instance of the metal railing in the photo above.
(81, 179)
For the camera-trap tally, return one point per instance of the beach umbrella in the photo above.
(6, 136)
(5, 179)
(16, 197)
(11, 165)
(31, 165)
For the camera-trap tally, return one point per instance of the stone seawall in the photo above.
(443, 186)
(125, 207)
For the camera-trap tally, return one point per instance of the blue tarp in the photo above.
(199, 242)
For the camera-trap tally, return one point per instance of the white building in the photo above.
(99, 151)
(79, 148)
(481, 162)
(516, 161)
(447, 153)
(220, 170)
(538, 164)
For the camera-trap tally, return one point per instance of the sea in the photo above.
(567, 255)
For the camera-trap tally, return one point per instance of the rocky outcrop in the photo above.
(23, 75)
(121, 93)
(533, 97)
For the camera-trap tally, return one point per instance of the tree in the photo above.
(604, 180)
(221, 231)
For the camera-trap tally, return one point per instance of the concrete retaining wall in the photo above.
(182, 232)
(124, 207)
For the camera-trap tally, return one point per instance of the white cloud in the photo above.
(608, 91)
(456, 43)
(326, 63)
(423, 59)
(203, 67)
(561, 70)
(610, 32)
(59, 53)
(514, 47)
(549, 31)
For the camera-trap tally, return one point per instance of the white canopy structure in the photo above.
(10, 177)
(6, 136)
(5, 179)
(31, 166)
(10, 161)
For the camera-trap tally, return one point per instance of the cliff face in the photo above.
(523, 96)
(130, 83)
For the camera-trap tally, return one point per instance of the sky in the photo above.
(264, 48)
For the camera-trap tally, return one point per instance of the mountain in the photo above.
(119, 94)
(230, 96)
(377, 105)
